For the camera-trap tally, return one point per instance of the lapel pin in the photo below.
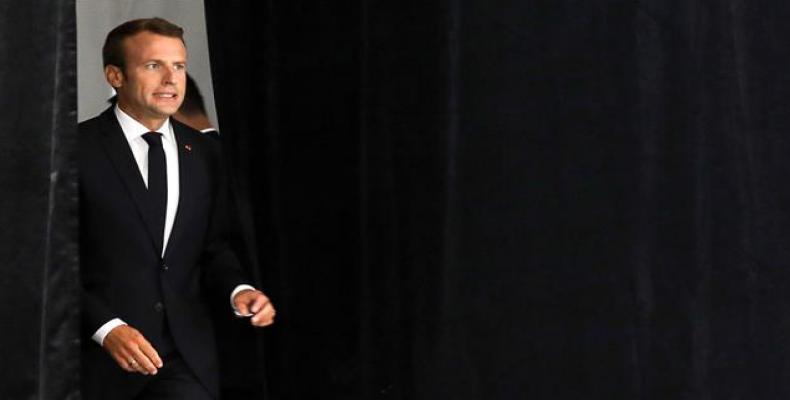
(188, 147)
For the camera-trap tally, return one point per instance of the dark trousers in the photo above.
(174, 381)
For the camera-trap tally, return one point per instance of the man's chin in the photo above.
(166, 112)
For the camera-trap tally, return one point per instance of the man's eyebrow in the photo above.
(160, 61)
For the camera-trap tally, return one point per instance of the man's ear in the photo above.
(114, 76)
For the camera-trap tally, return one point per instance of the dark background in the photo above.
(462, 199)
(39, 301)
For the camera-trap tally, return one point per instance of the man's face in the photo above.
(151, 85)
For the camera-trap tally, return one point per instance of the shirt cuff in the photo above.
(234, 293)
(102, 332)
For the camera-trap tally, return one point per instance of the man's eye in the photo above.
(151, 66)
(180, 67)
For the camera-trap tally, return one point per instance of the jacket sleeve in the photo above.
(222, 271)
(94, 312)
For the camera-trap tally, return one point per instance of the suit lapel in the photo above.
(117, 148)
(185, 184)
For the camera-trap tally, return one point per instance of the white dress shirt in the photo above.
(134, 131)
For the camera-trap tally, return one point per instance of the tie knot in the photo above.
(154, 139)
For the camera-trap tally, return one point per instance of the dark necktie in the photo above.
(157, 183)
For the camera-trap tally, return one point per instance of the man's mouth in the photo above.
(165, 95)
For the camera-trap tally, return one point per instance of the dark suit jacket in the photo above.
(122, 272)
(214, 134)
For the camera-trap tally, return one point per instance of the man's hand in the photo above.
(254, 303)
(131, 351)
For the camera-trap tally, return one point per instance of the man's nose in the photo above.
(169, 76)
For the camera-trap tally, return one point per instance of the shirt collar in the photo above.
(133, 129)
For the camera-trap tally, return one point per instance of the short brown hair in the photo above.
(113, 52)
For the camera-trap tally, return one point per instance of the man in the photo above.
(152, 247)
(193, 110)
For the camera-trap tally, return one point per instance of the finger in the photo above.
(241, 303)
(123, 362)
(265, 322)
(151, 353)
(132, 365)
(135, 357)
(146, 366)
(137, 367)
(127, 360)
(265, 316)
(260, 301)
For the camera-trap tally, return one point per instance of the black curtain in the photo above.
(38, 201)
(454, 199)
(507, 200)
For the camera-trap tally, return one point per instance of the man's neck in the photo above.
(154, 124)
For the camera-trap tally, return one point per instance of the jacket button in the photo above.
(158, 307)
(164, 267)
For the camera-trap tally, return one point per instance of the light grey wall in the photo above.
(97, 17)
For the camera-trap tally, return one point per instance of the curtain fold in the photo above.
(38, 208)
(546, 200)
